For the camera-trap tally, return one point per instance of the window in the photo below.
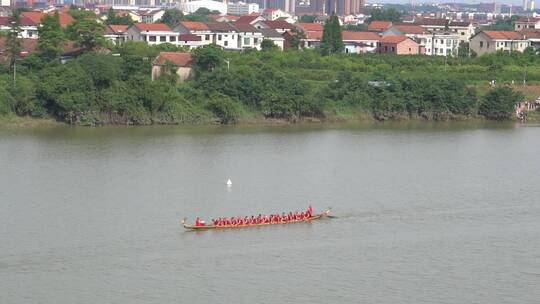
(410, 50)
(225, 43)
(218, 37)
(246, 41)
(386, 48)
(441, 50)
(481, 43)
(393, 49)
(172, 38)
(462, 33)
(206, 37)
(255, 40)
(162, 38)
(151, 38)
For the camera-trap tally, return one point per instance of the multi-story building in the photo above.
(242, 8)
(464, 29)
(527, 23)
(224, 35)
(486, 42)
(440, 44)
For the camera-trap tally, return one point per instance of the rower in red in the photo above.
(199, 222)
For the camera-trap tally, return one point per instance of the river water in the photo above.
(426, 213)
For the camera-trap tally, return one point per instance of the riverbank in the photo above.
(13, 121)
(251, 119)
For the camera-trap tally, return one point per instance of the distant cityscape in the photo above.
(299, 7)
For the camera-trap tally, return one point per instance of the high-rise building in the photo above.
(288, 6)
(344, 7)
(525, 5)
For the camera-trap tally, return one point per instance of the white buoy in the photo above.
(229, 183)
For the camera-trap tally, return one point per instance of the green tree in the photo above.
(356, 27)
(308, 18)
(332, 41)
(208, 57)
(51, 37)
(463, 50)
(13, 42)
(86, 33)
(390, 14)
(296, 38)
(267, 45)
(172, 17)
(113, 18)
(500, 103)
(79, 14)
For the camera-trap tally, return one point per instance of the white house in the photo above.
(248, 36)
(116, 33)
(360, 42)
(279, 25)
(492, 41)
(440, 44)
(200, 29)
(465, 30)
(151, 16)
(152, 33)
(273, 36)
(224, 35)
(527, 23)
(274, 13)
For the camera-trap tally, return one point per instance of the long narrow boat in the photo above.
(319, 216)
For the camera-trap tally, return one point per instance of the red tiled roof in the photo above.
(316, 27)
(65, 19)
(152, 27)
(247, 18)
(379, 25)
(270, 9)
(116, 29)
(410, 29)
(245, 28)
(354, 36)
(178, 59)
(503, 35)
(195, 26)
(530, 33)
(189, 37)
(220, 27)
(393, 39)
(34, 16)
(279, 24)
(314, 35)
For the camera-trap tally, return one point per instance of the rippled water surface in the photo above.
(445, 213)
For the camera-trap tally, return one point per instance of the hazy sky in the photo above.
(515, 2)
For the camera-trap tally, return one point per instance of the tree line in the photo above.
(116, 87)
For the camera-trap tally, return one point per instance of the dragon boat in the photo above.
(315, 217)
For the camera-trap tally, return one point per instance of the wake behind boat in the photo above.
(261, 220)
